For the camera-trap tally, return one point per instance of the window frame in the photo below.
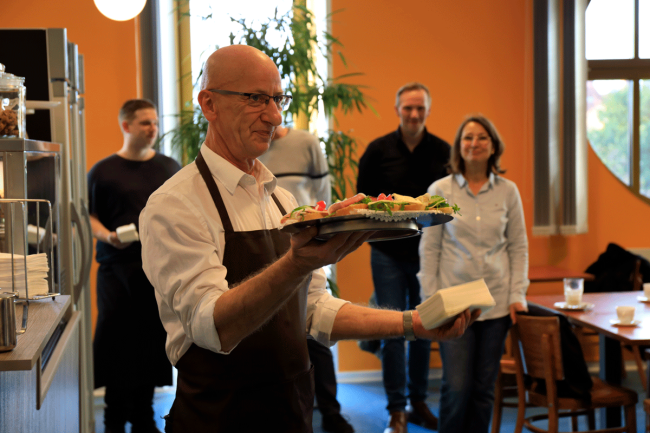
(634, 70)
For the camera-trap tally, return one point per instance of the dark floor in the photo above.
(364, 406)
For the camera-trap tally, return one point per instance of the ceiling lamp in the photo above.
(120, 10)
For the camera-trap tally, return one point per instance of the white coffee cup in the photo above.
(625, 314)
(646, 290)
(573, 288)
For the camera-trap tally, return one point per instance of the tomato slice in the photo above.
(320, 205)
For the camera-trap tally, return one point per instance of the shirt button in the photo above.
(478, 218)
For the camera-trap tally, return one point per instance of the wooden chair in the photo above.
(646, 408)
(637, 285)
(505, 388)
(536, 348)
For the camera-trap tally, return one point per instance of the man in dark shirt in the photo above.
(129, 344)
(407, 162)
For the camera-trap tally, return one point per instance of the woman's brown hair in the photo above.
(456, 161)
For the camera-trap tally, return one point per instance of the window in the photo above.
(211, 25)
(618, 88)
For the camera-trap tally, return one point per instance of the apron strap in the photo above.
(277, 202)
(214, 192)
(216, 195)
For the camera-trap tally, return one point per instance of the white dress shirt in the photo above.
(488, 241)
(183, 245)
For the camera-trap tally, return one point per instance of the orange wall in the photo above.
(474, 56)
(109, 49)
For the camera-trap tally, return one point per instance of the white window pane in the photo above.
(644, 29)
(610, 29)
(644, 175)
(208, 34)
(608, 124)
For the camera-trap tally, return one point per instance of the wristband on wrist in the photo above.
(408, 326)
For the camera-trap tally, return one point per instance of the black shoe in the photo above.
(336, 424)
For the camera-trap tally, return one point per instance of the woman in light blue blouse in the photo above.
(488, 241)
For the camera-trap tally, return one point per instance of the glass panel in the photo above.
(644, 175)
(610, 29)
(644, 30)
(211, 25)
(608, 124)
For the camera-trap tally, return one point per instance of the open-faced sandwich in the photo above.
(305, 213)
(382, 203)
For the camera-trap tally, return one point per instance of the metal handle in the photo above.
(84, 274)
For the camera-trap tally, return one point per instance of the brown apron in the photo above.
(266, 383)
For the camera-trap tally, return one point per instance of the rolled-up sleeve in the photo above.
(322, 308)
(181, 259)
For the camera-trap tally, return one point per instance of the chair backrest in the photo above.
(539, 340)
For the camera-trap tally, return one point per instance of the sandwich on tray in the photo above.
(360, 203)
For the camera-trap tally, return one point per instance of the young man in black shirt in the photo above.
(406, 161)
(129, 344)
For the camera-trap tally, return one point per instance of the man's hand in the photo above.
(307, 253)
(115, 242)
(448, 331)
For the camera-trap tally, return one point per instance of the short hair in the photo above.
(413, 86)
(127, 112)
(456, 162)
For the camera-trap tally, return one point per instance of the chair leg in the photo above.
(498, 404)
(630, 418)
(553, 420)
(640, 366)
(574, 423)
(591, 420)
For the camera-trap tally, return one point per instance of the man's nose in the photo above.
(272, 114)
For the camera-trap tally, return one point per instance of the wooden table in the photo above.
(539, 274)
(598, 319)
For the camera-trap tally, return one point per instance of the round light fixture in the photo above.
(120, 10)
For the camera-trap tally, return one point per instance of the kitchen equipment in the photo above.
(12, 105)
(8, 331)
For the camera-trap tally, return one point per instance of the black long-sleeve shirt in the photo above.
(388, 166)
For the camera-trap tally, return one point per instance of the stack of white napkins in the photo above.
(37, 269)
(447, 303)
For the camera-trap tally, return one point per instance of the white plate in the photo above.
(617, 322)
(642, 299)
(565, 306)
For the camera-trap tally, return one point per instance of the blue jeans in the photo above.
(470, 365)
(397, 287)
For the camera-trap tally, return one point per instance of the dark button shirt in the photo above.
(388, 166)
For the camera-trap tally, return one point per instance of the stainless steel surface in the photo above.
(8, 333)
(25, 145)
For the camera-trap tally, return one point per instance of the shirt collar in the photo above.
(462, 182)
(231, 176)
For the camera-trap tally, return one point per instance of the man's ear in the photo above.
(207, 105)
(125, 126)
(397, 110)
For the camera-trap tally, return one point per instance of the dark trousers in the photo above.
(324, 378)
(129, 344)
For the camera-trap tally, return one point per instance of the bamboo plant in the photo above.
(296, 61)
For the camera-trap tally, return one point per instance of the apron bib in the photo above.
(266, 382)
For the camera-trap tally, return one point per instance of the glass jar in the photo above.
(12, 105)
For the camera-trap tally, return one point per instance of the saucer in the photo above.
(642, 299)
(616, 322)
(565, 306)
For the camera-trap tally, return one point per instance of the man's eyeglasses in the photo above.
(257, 99)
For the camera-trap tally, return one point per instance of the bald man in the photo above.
(235, 294)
